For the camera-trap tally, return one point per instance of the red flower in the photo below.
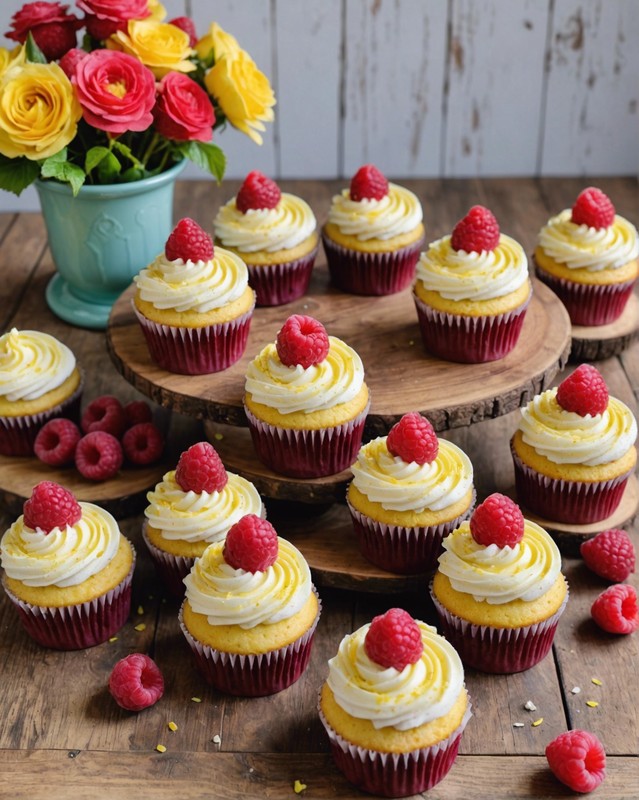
(105, 17)
(70, 60)
(51, 27)
(116, 91)
(183, 110)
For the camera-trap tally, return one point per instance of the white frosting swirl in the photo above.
(501, 574)
(203, 516)
(458, 275)
(193, 285)
(398, 212)
(337, 379)
(229, 596)
(401, 486)
(64, 556)
(267, 229)
(32, 363)
(594, 249)
(565, 437)
(420, 693)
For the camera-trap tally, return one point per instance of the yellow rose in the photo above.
(157, 10)
(38, 111)
(243, 93)
(10, 58)
(161, 47)
(217, 40)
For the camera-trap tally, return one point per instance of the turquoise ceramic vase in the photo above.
(100, 239)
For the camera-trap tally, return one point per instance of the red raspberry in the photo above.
(70, 60)
(394, 640)
(616, 610)
(610, 554)
(136, 682)
(577, 758)
(143, 443)
(50, 506)
(593, 208)
(98, 456)
(368, 183)
(584, 391)
(137, 411)
(200, 469)
(105, 413)
(56, 442)
(251, 544)
(189, 242)
(498, 520)
(477, 232)
(302, 340)
(413, 439)
(257, 192)
(187, 25)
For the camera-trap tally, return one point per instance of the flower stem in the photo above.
(149, 150)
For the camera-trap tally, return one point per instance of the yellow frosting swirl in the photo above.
(401, 486)
(398, 212)
(32, 363)
(458, 275)
(420, 693)
(594, 249)
(268, 229)
(193, 285)
(200, 516)
(501, 574)
(337, 379)
(229, 596)
(566, 437)
(64, 556)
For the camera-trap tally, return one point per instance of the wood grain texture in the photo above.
(604, 341)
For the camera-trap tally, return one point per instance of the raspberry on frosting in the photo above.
(189, 242)
(616, 610)
(584, 392)
(200, 469)
(50, 506)
(577, 758)
(593, 208)
(477, 232)
(302, 340)
(257, 192)
(610, 554)
(394, 640)
(498, 520)
(368, 183)
(413, 439)
(251, 544)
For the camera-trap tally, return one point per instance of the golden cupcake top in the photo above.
(32, 363)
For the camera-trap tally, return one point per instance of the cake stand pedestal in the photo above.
(604, 341)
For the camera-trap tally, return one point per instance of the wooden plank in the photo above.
(21, 249)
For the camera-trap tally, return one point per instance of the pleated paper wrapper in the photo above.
(277, 284)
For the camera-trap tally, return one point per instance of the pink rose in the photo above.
(51, 27)
(116, 91)
(70, 61)
(183, 110)
(105, 17)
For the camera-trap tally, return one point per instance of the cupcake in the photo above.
(306, 401)
(39, 380)
(373, 235)
(588, 255)
(250, 611)
(194, 304)
(67, 570)
(574, 450)
(394, 706)
(193, 506)
(498, 590)
(275, 234)
(472, 291)
(409, 490)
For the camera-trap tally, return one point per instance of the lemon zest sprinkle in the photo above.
(596, 681)
(140, 627)
(172, 726)
(196, 699)
(592, 703)
(160, 748)
(537, 722)
(299, 787)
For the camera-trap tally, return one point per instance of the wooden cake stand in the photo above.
(593, 343)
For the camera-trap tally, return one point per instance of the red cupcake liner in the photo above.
(307, 453)
(357, 272)
(498, 650)
(469, 340)
(79, 626)
(171, 569)
(404, 551)
(575, 502)
(277, 284)
(17, 434)
(589, 304)
(253, 675)
(395, 774)
(196, 351)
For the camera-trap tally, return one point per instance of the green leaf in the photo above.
(133, 174)
(17, 173)
(126, 151)
(93, 157)
(109, 168)
(207, 156)
(62, 170)
(34, 54)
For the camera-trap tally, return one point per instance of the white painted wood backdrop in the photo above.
(429, 88)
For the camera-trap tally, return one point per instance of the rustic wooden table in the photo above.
(61, 734)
